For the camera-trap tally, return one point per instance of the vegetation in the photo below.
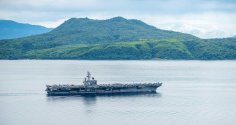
(116, 38)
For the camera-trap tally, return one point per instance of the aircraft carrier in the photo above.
(90, 87)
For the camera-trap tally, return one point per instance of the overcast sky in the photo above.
(203, 18)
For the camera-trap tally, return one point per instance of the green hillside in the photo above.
(116, 38)
(167, 49)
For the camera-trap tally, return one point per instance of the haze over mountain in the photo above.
(115, 38)
(10, 29)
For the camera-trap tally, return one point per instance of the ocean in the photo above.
(193, 93)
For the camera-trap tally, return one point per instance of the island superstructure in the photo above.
(90, 87)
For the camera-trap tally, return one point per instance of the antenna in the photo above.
(88, 75)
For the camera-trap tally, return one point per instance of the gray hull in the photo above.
(61, 90)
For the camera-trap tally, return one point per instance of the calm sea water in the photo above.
(193, 93)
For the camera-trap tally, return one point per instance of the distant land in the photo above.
(116, 38)
(10, 29)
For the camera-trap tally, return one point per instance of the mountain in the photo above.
(11, 29)
(88, 31)
(115, 38)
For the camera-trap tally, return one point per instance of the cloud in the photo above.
(204, 18)
(205, 25)
(137, 6)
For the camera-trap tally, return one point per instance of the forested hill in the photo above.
(10, 29)
(115, 38)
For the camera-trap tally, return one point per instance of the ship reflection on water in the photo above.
(91, 105)
(91, 99)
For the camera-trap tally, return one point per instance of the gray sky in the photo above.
(203, 18)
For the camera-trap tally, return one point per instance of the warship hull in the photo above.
(90, 87)
(110, 89)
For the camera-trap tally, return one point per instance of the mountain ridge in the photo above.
(10, 29)
(115, 38)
